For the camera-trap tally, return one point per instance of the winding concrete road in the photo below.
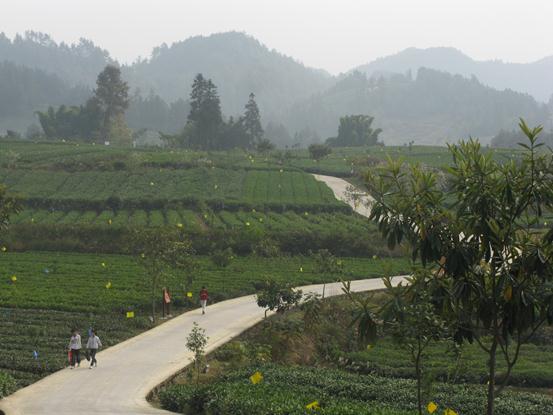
(128, 371)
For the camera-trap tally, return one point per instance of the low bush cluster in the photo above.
(7, 385)
(286, 390)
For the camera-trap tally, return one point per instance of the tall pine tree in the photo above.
(252, 121)
(205, 120)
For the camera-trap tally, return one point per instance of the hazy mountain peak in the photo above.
(534, 78)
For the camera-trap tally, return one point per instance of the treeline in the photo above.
(434, 107)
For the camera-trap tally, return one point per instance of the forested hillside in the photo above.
(238, 64)
(534, 78)
(429, 109)
(298, 105)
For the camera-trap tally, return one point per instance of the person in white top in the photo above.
(75, 348)
(93, 344)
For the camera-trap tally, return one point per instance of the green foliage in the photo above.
(277, 296)
(252, 121)
(57, 291)
(287, 390)
(495, 274)
(319, 151)
(111, 96)
(8, 207)
(196, 341)
(355, 131)
(205, 114)
(7, 385)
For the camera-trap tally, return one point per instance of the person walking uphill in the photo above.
(93, 344)
(204, 296)
(75, 349)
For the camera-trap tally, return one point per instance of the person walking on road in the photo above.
(75, 349)
(204, 296)
(93, 344)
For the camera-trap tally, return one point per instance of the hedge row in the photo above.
(7, 385)
(97, 239)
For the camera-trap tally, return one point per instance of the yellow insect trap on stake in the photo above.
(450, 412)
(130, 314)
(13, 278)
(313, 405)
(431, 407)
(108, 285)
(256, 378)
(189, 294)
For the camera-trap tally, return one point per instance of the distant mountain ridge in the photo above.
(297, 103)
(534, 78)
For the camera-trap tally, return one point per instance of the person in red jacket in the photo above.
(204, 296)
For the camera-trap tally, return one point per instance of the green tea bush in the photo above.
(7, 385)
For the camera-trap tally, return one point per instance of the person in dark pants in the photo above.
(75, 348)
(93, 344)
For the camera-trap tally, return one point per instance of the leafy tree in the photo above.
(264, 146)
(319, 151)
(112, 96)
(277, 296)
(354, 131)
(327, 265)
(252, 121)
(411, 318)
(205, 114)
(162, 253)
(495, 279)
(196, 343)
(8, 206)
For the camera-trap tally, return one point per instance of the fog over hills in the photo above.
(535, 78)
(303, 104)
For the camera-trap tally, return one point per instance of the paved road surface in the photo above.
(128, 371)
(342, 191)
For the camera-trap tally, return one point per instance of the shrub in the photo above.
(7, 385)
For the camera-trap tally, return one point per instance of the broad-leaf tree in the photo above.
(480, 231)
(162, 253)
(112, 96)
(355, 130)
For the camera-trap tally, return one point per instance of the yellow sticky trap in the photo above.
(103, 264)
(130, 314)
(282, 171)
(32, 220)
(375, 257)
(261, 220)
(205, 215)
(313, 405)
(450, 412)
(253, 210)
(109, 222)
(508, 293)
(247, 223)
(13, 278)
(215, 187)
(189, 294)
(256, 378)
(151, 183)
(179, 225)
(301, 269)
(142, 256)
(108, 285)
(369, 346)
(431, 407)
(305, 213)
(4, 249)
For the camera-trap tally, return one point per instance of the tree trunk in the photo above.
(491, 381)
(419, 375)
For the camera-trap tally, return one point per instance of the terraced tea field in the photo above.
(54, 292)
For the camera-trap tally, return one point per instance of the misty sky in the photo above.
(335, 35)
